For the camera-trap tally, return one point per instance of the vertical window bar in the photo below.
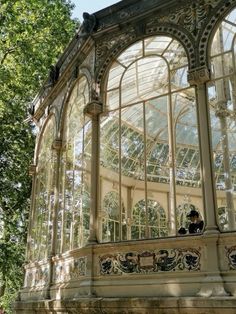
(145, 174)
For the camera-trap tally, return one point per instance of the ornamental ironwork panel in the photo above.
(164, 260)
(231, 256)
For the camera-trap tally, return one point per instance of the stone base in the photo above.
(213, 305)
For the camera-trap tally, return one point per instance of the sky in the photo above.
(90, 6)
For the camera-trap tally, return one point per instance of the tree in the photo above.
(32, 35)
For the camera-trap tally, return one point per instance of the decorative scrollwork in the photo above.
(148, 261)
(231, 255)
(35, 277)
(70, 270)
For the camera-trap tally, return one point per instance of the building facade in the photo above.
(137, 128)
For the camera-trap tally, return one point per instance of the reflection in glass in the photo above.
(41, 230)
(73, 215)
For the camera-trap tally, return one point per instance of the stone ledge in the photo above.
(191, 305)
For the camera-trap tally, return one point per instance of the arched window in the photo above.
(149, 134)
(222, 106)
(41, 230)
(73, 216)
(111, 220)
(182, 211)
(157, 226)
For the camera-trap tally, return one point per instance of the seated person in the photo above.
(196, 224)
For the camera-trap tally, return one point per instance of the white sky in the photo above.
(90, 6)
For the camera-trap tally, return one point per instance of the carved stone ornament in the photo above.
(198, 76)
(35, 277)
(191, 17)
(231, 255)
(88, 25)
(70, 270)
(150, 261)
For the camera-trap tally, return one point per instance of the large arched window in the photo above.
(111, 222)
(156, 218)
(73, 216)
(149, 135)
(182, 214)
(41, 230)
(222, 106)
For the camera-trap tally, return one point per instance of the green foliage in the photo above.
(33, 33)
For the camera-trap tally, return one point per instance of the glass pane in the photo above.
(131, 54)
(179, 78)
(113, 99)
(222, 65)
(157, 152)
(144, 79)
(156, 45)
(44, 198)
(76, 163)
(111, 219)
(175, 55)
(187, 145)
(114, 77)
(222, 105)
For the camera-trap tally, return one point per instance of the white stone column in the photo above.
(213, 284)
(93, 109)
(199, 77)
(57, 149)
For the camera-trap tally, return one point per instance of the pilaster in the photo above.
(92, 110)
(199, 77)
(213, 284)
(57, 146)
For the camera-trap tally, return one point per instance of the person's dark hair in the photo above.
(193, 213)
(182, 230)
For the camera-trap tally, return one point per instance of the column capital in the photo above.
(32, 169)
(93, 108)
(198, 75)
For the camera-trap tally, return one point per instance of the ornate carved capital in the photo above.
(93, 108)
(198, 75)
(32, 170)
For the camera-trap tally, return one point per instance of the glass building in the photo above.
(136, 142)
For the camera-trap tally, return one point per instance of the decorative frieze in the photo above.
(70, 270)
(190, 17)
(231, 256)
(164, 260)
(38, 276)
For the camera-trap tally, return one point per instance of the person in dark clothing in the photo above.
(196, 224)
